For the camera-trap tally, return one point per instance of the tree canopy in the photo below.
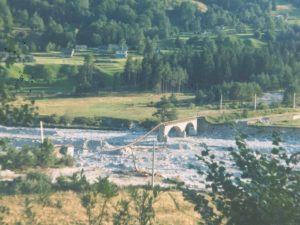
(260, 188)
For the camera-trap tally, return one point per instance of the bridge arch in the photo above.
(175, 131)
(190, 129)
(178, 128)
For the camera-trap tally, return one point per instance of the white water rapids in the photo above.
(176, 159)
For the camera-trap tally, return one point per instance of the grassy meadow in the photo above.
(139, 106)
(105, 63)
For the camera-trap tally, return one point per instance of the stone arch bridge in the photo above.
(178, 128)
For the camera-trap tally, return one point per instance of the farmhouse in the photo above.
(116, 50)
(121, 53)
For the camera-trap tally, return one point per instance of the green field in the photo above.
(34, 87)
(124, 106)
(106, 64)
(138, 106)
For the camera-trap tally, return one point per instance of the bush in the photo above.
(53, 119)
(262, 106)
(84, 121)
(173, 99)
(166, 111)
(12, 158)
(33, 183)
(45, 154)
(46, 73)
(191, 105)
(201, 97)
(29, 157)
(66, 161)
(77, 182)
(275, 105)
(65, 120)
(264, 189)
(245, 113)
(149, 123)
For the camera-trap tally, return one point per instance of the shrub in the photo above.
(263, 189)
(33, 183)
(65, 120)
(45, 154)
(77, 182)
(53, 119)
(201, 97)
(29, 157)
(84, 121)
(262, 106)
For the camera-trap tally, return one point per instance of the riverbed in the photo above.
(97, 153)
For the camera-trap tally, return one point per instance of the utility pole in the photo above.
(221, 102)
(255, 102)
(153, 163)
(42, 131)
(294, 102)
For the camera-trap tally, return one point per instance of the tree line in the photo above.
(217, 61)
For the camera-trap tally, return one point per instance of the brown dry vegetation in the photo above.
(283, 7)
(170, 208)
(202, 7)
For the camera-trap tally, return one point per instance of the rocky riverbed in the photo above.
(96, 153)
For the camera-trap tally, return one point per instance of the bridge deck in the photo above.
(179, 121)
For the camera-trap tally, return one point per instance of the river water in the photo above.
(175, 159)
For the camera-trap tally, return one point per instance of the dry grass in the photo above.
(202, 7)
(170, 208)
(56, 60)
(283, 7)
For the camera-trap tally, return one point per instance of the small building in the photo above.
(121, 53)
(81, 47)
(67, 52)
(116, 50)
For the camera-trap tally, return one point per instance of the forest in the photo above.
(68, 22)
(181, 47)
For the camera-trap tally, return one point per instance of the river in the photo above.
(176, 159)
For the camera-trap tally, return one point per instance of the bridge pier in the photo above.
(161, 137)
